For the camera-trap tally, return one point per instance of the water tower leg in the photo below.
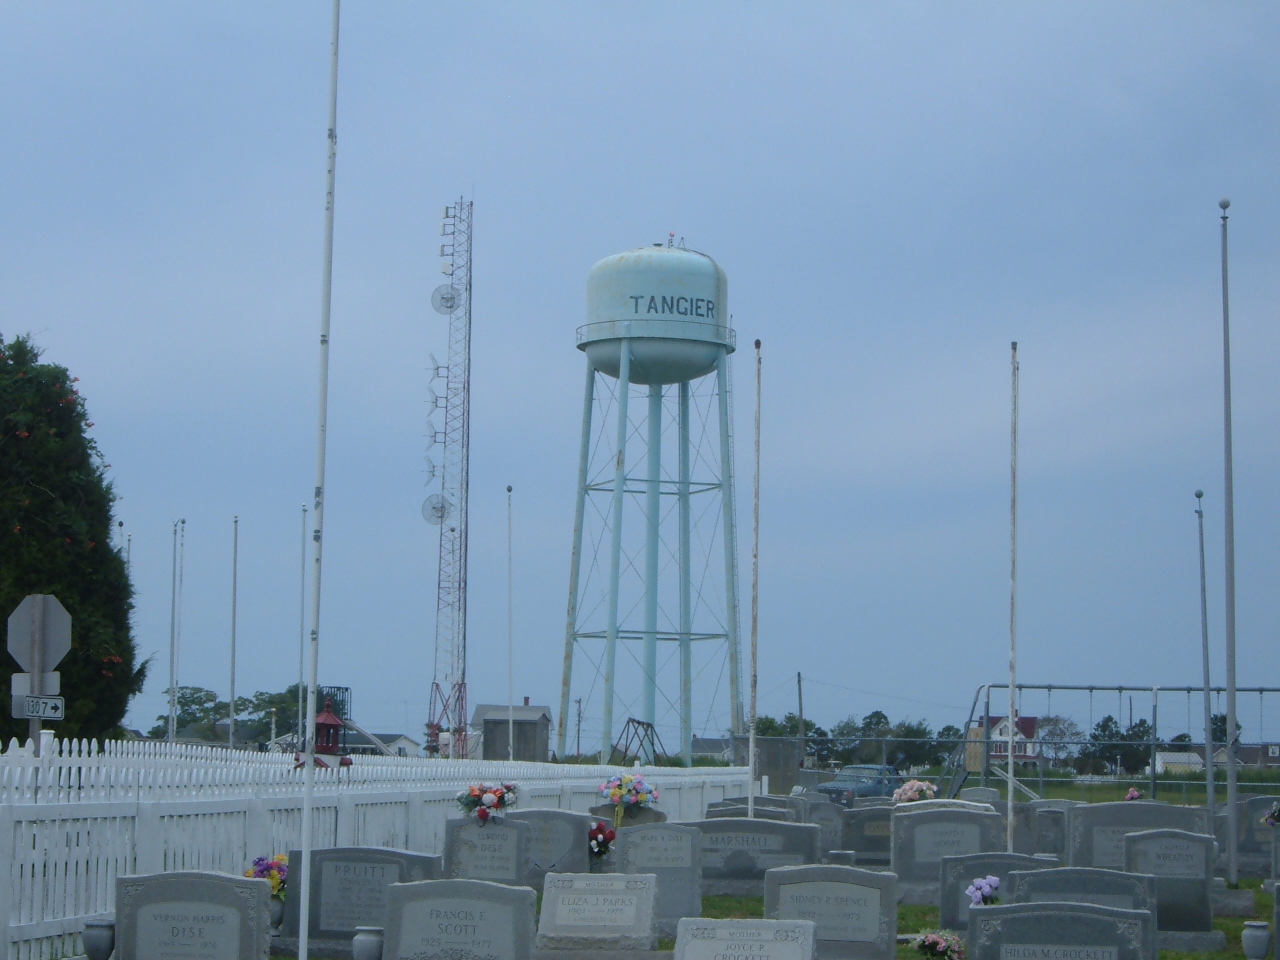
(615, 549)
(686, 608)
(730, 548)
(575, 564)
(653, 515)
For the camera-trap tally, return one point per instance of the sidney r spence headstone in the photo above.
(597, 911)
(192, 916)
(459, 919)
(698, 939)
(855, 911)
(349, 887)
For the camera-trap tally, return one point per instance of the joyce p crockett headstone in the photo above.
(585, 911)
(192, 916)
(1057, 931)
(349, 887)
(673, 853)
(458, 920)
(855, 911)
(698, 939)
(496, 850)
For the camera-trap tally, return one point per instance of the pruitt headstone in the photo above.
(597, 911)
(459, 920)
(855, 911)
(673, 853)
(556, 840)
(1096, 831)
(191, 915)
(1058, 931)
(959, 872)
(922, 837)
(349, 887)
(496, 851)
(736, 852)
(698, 939)
(1182, 864)
(868, 831)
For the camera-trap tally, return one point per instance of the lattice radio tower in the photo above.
(448, 508)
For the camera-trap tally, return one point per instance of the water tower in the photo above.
(654, 539)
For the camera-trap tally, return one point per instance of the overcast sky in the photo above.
(896, 191)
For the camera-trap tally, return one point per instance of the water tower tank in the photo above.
(671, 304)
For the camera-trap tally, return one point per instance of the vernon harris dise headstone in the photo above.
(867, 831)
(459, 919)
(349, 887)
(192, 916)
(737, 852)
(1093, 885)
(1095, 831)
(496, 851)
(1182, 864)
(959, 872)
(597, 911)
(855, 911)
(1058, 931)
(557, 840)
(922, 837)
(828, 818)
(673, 853)
(698, 939)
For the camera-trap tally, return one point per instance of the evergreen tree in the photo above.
(55, 533)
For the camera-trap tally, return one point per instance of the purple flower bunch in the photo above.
(940, 946)
(983, 890)
(275, 869)
(1272, 817)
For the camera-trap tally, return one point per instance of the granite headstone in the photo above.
(1095, 831)
(698, 939)
(556, 840)
(1182, 864)
(673, 853)
(958, 873)
(459, 920)
(855, 911)
(1059, 931)
(737, 852)
(597, 911)
(190, 915)
(349, 887)
(922, 837)
(868, 831)
(828, 818)
(495, 851)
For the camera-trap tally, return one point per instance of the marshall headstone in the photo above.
(1058, 931)
(922, 837)
(190, 915)
(1096, 831)
(557, 840)
(855, 911)
(868, 831)
(737, 852)
(698, 939)
(673, 853)
(959, 872)
(597, 911)
(349, 887)
(495, 851)
(458, 919)
(1182, 864)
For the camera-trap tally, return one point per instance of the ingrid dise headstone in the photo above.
(855, 911)
(459, 919)
(190, 915)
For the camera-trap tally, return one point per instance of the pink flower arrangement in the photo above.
(914, 790)
(940, 946)
(1133, 794)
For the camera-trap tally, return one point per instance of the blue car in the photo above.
(861, 780)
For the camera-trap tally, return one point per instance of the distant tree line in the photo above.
(200, 712)
(873, 739)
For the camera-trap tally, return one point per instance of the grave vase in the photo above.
(276, 908)
(367, 943)
(1256, 939)
(99, 938)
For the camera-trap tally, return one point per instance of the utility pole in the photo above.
(755, 599)
(235, 569)
(579, 747)
(1204, 650)
(1013, 590)
(1229, 510)
(800, 704)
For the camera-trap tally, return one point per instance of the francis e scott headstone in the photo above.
(737, 852)
(459, 920)
(597, 911)
(1057, 931)
(496, 850)
(673, 853)
(855, 911)
(959, 872)
(698, 939)
(190, 915)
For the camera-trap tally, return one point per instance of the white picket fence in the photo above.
(75, 818)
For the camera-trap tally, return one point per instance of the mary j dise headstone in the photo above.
(455, 919)
(496, 851)
(1182, 864)
(855, 911)
(698, 939)
(349, 887)
(1057, 931)
(192, 916)
(609, 911)
(557, 840)
(737, 852)
(959, 872)
(673, 853)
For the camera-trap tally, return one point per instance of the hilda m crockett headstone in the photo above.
(459, 920)
(1058, 931)
(698, 939)
(597, 911)
(349, 887)
(855, 911)
(192, 916)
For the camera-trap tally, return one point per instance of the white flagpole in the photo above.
(1013, 589)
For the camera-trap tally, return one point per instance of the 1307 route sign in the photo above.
(39, 708)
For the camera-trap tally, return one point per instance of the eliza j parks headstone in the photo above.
(597, 911)
(192, 916)
(459, 920)
(495, 851)
(698, 939)
(349, 887)
(855, 911)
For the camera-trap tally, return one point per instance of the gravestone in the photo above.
(597, 911)
(868, 831)
(673, 853)
(958, 872)
(922, 837)
(1095, 885)
(1095, 831)
(943, 804)
(632, 815)
(556, 840)
(190, 915)
(459, 919)
(1254, 847)
(1024, 827)
(828, 818)
(855, 911)
(496, 850)
(1182, 864)
(698, 939)
(797, 805)
(1059, 931)
(980, 795)
(760, 813)
(736, 853)
(1051, 832)
(857, 802)
(349, 887)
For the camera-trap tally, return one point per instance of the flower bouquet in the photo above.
(599, 837)
(1133, 794)
(275, 869)
(1272, 817)
(940, 945)
(627, 791)
(487, 802)
(983, 891)
(914, 790)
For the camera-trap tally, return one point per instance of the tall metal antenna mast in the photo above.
(448, 508)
